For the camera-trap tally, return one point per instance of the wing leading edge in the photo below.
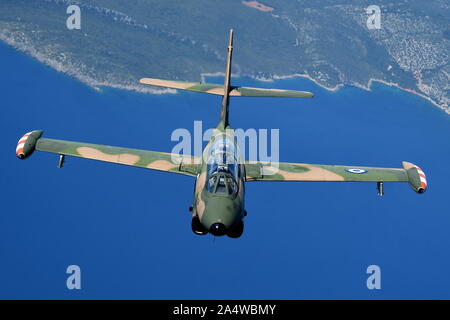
(283, 171)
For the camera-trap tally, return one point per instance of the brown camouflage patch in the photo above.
(161, 165)
(199, 186)
(123, 158)
(167, 83)
(218, 91)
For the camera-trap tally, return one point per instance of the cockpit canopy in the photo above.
(222, 168)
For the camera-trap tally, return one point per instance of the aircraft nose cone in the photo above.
(218, 229)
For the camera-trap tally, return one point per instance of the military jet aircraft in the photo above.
(218, 202)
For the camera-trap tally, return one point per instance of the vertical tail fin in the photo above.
(226, 94)
(226, 90)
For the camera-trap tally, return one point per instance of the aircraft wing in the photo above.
(161, 161)
(218, 89)
(283, 171)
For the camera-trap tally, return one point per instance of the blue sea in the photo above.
(128, 229)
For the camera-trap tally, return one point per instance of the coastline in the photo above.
(71, 70)
(368, 87)
(336, 88)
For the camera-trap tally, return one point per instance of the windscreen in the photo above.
(222, 167)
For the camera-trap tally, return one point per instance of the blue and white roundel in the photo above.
(357, 171)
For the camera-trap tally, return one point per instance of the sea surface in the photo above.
(129, 229)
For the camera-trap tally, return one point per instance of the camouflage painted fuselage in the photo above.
(226, 207)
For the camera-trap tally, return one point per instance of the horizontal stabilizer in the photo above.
(262, 92)
(218, 89)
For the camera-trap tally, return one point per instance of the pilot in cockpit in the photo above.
(222, 173)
